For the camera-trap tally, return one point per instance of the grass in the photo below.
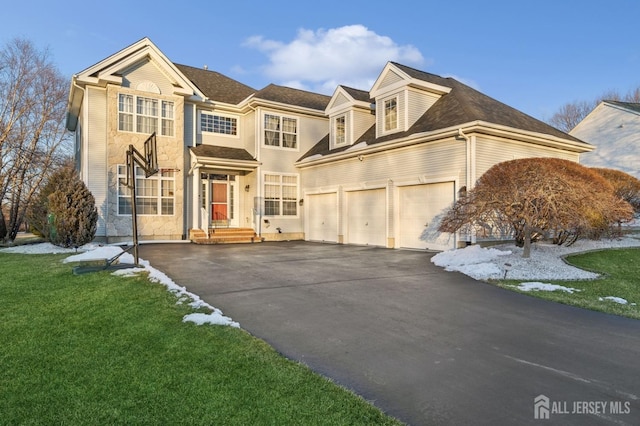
(620, 269)
(100, 349)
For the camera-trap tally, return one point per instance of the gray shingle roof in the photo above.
(216, 86)
(461, 105)
(628, 105)
(214, 151)
(287, 95)
(357, 94)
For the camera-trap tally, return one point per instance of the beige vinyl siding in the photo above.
(97, 153)
(248, 129)
(362, 121)
(418, 103)
(340, 100)
(147, 72)
(493, 151)
(389, 79)
(430, 160)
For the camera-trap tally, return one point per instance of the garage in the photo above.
(323, 217)
(418, 206)
(366, 217)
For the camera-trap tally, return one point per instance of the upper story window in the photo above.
(280, 194)
(391, 114)
(150, 115)
(340, 130)
(218, 124)
(280, 131)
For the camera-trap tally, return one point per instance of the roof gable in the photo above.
(395, 76)
(346, 97)
(110, 69)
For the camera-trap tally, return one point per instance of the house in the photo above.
(369, 167)
(614, 127)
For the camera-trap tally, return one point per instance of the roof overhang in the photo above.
(222, 164)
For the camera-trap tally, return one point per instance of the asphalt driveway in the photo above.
(425, 345)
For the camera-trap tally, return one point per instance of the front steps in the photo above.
(224, 236)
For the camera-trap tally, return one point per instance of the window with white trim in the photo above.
(155, 195)
(147, 114)
(339, 130)
(280, 131)
(280, 195)
(391, 114)
(218, 124)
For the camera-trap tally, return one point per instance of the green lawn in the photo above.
(621, 278)
(100, 349)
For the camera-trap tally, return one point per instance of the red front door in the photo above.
(219, 201)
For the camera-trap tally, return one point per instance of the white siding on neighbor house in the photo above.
(615, 133)
(96, 131)
(418, 103)
(147, 72)
(491, 151)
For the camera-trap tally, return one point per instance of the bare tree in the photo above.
(32, 109)
(539, 197)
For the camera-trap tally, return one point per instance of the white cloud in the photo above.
(320, 60)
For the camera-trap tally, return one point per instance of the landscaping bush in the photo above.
(65, 211)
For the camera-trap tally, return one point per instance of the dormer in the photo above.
(402, 95)
(350, 115)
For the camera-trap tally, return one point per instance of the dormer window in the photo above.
(340, 130)
(390, 114)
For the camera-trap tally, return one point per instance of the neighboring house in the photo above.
(614, 128)
(360, 167)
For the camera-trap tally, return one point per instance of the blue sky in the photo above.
(532, 55)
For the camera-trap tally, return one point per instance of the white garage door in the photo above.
(419, 205)
(366, 217)
(323, 217)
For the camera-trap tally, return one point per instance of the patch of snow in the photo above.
(537, 286)
(98, 253)
(545, 263)
(619, 300)
(40, 248)
(215, 318)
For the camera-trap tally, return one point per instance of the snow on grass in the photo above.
(546, 261)
(616, 299)
(538, 286)
(93, 252)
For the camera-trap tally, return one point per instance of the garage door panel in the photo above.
(419, 206)
(323, 217)
(366, 217)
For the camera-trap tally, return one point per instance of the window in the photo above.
(280, 131)
(154, 195)
(390, 114)
(340, 131)
(280, 195)
(218, 124)
(148, 113)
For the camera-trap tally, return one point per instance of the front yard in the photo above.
(103, 349)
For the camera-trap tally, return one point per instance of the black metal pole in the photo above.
(134, 213)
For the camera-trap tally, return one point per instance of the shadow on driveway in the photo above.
(425, 345)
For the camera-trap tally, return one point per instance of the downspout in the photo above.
(470, 170)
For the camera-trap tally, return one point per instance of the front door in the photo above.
(220, 203)
(219, 195)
